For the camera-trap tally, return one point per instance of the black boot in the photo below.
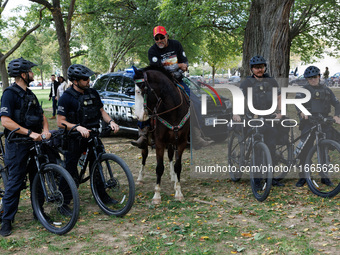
(275, 182)
(6, 228)
(142, 141)
(300, 182)
(327, 182)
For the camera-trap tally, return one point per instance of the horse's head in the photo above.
(140, 96)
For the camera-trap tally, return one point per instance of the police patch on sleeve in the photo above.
(154, 59)
(61, 108)
(4, 110)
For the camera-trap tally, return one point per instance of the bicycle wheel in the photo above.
(322, 169)
(3, 181)
(112, 185)
(261, 175)
(59, 211)
(235, 156)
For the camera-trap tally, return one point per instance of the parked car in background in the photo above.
(197, 79)
(117, 92)
(334, 80)
(216, 81)
(235, 80)
(299, 81)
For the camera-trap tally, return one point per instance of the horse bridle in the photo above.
(159, 101)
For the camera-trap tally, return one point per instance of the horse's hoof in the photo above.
(156, 201)
(179, 198)
(139, 182)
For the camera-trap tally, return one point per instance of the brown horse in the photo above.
(158, 97)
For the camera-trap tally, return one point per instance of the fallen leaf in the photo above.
(246, 234)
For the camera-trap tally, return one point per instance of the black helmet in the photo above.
(256, 60)
(77, 72)
(311, 71)
(19, 66)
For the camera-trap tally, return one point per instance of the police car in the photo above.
(117, 92)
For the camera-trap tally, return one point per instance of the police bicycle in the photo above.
(51, 187)
(247, 152)
(109, 174)
(322, 166)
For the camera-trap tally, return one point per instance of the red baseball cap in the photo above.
(159, 30)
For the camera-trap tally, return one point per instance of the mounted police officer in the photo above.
(262, 85)
(322, 98)
(19, 109)
(169, 54)
(80, 105)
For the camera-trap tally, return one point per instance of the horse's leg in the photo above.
(171, 157)
(178, 168)
(159, 171)
(145, 153)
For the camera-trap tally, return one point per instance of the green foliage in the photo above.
(315, 25)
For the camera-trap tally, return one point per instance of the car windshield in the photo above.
(194, 87)
(101, 83)
(114, 84)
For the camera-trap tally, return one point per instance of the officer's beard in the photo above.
(28, 80)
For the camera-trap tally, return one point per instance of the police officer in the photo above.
(81, 105)
(262, 85)
(322, 98)
(19, 109)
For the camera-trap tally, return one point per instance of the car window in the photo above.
(128, 86)
(114, 84)
(195, 88)
(100, 83)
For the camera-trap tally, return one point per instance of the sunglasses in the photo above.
(259, 67)
(313, 77)
(157, 38)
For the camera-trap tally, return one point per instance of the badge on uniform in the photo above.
(85, 102)
(261, 87)
(317, 94)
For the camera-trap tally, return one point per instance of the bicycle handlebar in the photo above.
(24, 139)
(73, 132)
(321, 119)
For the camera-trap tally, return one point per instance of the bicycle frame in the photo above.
(255, 137)
(93, 146)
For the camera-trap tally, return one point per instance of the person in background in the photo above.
(53, 95)
(326, 76)
(62, 87)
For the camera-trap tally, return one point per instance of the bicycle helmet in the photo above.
(256, 60)
(311, 71)
(19, 66)
(77, 72)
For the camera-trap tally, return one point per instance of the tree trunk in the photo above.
(3, 72)
(64, 49)
(267, 35)
(213, 75)
(63, 34)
